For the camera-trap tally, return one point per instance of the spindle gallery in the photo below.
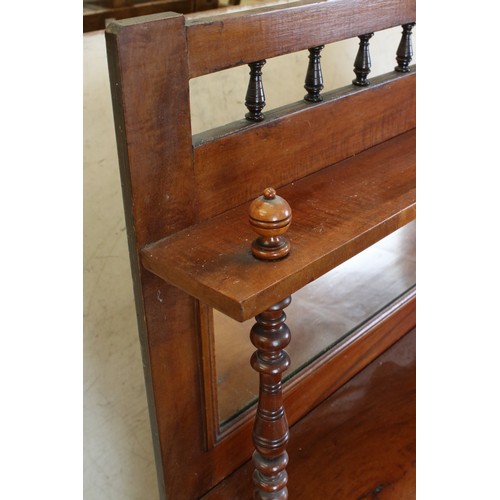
(363, 63)
(210, 237)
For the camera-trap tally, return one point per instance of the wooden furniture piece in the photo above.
(344, 161)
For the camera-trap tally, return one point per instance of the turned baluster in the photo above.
(255, 99)
(404, 53)
(270, 336)
(314, 76)
(270, 218)
(362, 63)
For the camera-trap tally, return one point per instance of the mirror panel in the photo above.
(320, 316)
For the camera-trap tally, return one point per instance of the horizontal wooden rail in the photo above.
(347, 122)
(222, 41)
(337, 212)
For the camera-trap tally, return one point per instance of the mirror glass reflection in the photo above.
(320, 316)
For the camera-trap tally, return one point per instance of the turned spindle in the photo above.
(255, 99)
(404, 53)
(314, 76)
(270, 335)
(363, 63)
(270, 217)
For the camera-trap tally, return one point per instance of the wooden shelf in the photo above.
(358, 444)
(337, 212)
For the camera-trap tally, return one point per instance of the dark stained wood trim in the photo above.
(155, 156)
(244, 37)
(330, 371)
(213, 261)
(96, 15)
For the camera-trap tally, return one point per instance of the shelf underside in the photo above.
(337, 212)
(358, 444)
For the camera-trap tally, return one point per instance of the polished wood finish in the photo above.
(360, 443)
(335, 217)
(153, 147)
(270, 217)
(270, 335)
(342, 300)
(314, 77)
(268, 153)
(339, 208)
(267, 32)
(336, 366)
(255, 99)
(363, 63)
(404, 53)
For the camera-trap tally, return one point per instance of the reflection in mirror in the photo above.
(321, 315)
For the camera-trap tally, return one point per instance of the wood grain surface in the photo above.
(242, 38)
(337, 212)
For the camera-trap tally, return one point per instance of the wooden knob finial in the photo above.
(270, 217)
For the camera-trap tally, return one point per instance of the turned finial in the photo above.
(270, 217)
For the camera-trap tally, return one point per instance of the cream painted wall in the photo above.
(118, 455)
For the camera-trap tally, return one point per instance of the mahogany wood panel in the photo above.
(242, 38)
(297, 140)
(337, 212)
(156, 171)
(358, 444)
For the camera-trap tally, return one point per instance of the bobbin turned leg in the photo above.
(255, 99)
(270, 336)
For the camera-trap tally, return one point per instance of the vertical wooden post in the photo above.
(149, 77)
(270, 336)
(314, 76)
(255, 99)
(363, 63)
(404, 53)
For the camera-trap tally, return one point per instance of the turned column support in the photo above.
(255, 99)
(270, 335)
(314, 76)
